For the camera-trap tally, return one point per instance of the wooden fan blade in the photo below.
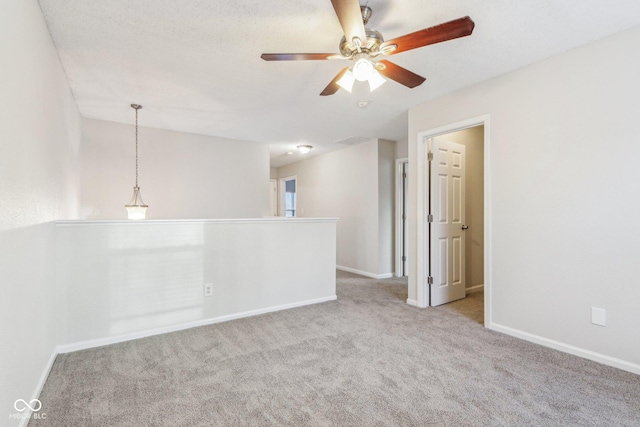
(334, 86)
(401, 75)
(350, 18)
(296, 56)
(440, 33)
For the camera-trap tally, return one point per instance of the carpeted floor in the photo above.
(367, 359)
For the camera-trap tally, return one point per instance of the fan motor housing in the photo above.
(372, 46)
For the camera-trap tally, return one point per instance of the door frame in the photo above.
(275, 182)
(399, 240)
(422, 232)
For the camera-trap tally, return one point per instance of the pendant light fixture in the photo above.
(136, 209)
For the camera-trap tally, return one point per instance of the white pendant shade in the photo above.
(136, 209)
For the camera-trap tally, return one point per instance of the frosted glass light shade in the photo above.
(136, 209)
(362, 69)
(376, 80)
(346, 81)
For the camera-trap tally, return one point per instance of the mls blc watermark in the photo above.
(29, 410)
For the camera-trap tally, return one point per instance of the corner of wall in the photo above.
(386, 211)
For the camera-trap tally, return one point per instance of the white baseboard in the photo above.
(475, 288)
(412, 302)
(99, 342)
(364, 273)
(566, 348)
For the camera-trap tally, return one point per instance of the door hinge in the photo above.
(404, 257)
(404, 216)
(430, 280)
(404, 175)
(429, 218)
(430, 157)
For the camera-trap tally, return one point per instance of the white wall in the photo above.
(344, 184)
(564, 196)
(473, 140)
(39, 144)
(181, 175)
(386, 206)
(121, 280)
(402, 148)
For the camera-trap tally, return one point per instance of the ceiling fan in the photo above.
(364, 46)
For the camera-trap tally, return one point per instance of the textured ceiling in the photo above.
(195, 64)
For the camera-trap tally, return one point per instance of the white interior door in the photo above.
(447, 188)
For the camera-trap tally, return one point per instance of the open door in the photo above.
(446, 221)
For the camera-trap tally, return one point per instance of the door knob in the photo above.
(465, 227)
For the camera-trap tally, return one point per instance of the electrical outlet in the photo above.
(598, 316)
(208, 290)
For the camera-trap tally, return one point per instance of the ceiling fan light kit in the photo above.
(375, 80)
(362, 67)
(346, 81)
(363, 46)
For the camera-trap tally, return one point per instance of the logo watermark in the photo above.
(29, 410)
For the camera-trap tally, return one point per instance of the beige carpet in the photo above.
(367, 359)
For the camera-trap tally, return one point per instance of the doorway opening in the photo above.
(288, 189)
(474, 243)
(456, 216)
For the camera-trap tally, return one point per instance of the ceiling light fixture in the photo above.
(362, 70)
(136, 209)
(346, 81)
(304, 149)
(376, 80)
(362, 67)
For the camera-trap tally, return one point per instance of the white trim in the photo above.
(412, 302)
(99, 342)
(40, 385)
(275, 182)
(398, 226)
(187, 221)
(475, 288)
(364, 273)
(566, 348)
(488, 236)
(421, 170)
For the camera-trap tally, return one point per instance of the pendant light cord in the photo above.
(136, 147)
